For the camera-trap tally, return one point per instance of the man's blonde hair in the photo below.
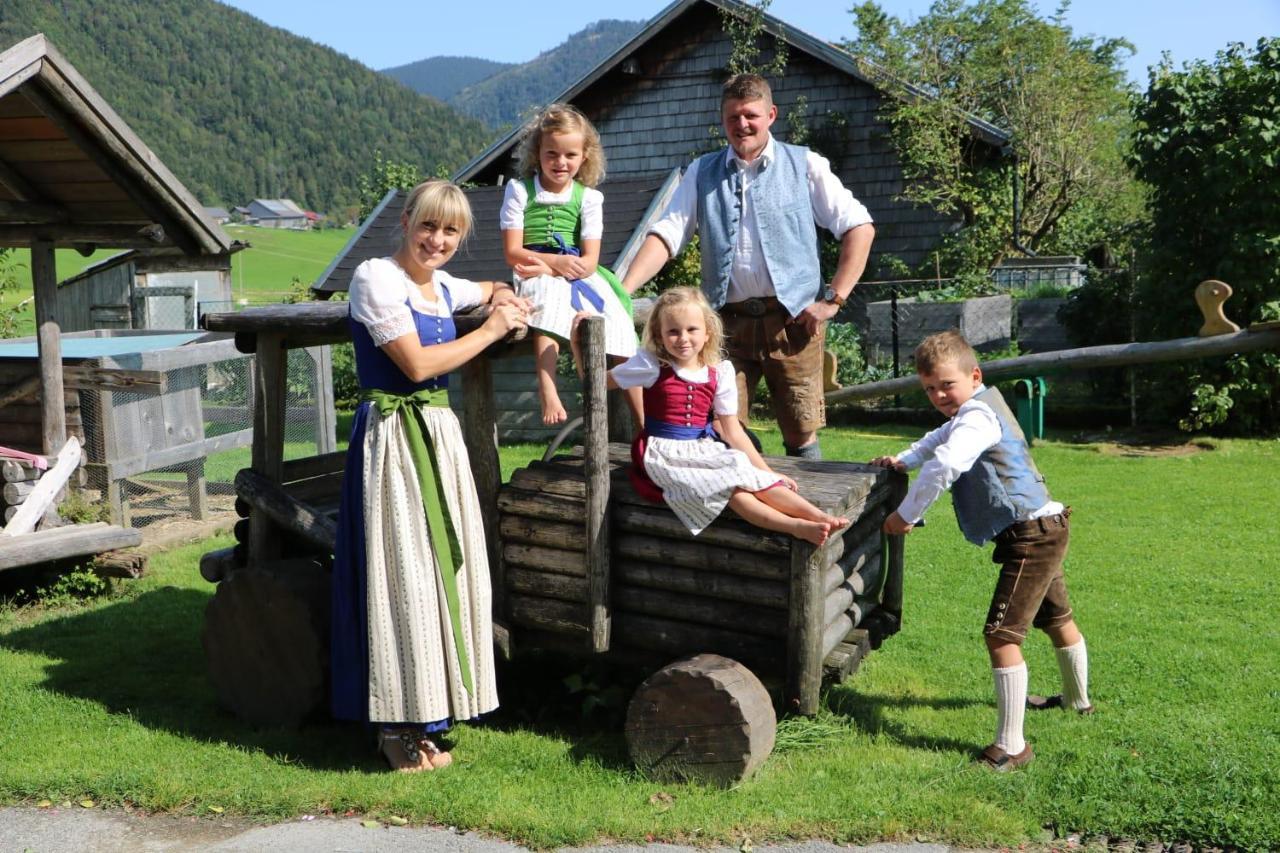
(563, 118)
(746, 87)
(438, 201)
(947, 347)
(678, 297)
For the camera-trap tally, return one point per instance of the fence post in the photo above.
(893, 325)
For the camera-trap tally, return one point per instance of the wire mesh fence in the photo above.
(173, 454)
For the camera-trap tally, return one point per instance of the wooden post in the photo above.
(480, 431)
(595, 445)
(804, 629)
(44, 278)
(270, 364)
(891, 596)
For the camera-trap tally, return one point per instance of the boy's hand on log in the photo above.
(896, 525)
(889, 462)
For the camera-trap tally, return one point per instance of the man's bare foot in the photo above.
(813, 532)
(552, 409)
(402, 751)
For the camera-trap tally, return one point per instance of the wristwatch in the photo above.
(829, 295)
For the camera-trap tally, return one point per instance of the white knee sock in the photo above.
(1073, 663)
(1011, 700)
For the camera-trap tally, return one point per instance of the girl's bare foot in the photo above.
(435, 756)
(552, 409)
(813, 532)
(835, 522)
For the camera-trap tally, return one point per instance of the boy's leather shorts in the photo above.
(1031, 589)
(760, 341)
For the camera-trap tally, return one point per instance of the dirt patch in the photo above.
(1145, 445)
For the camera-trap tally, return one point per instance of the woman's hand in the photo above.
(508, 316)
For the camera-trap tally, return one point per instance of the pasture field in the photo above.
(260, 274)
(1170, 572)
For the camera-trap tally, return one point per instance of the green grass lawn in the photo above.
(1171, 573)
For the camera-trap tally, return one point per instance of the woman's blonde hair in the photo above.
(563, 118)
(439, 201)
(678, 297)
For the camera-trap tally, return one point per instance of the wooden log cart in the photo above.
(580, 564)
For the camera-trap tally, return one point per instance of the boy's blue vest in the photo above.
(784, 219)
(1003, 486)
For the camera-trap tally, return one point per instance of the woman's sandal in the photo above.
(415, 748)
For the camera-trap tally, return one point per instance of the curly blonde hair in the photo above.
(563, 118)
(947, 347)
(678, 297)
(440, 201)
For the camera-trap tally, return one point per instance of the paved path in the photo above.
(78, 830)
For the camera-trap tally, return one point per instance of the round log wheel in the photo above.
(705, 719)
(266, 641)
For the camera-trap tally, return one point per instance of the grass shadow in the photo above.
(871, 713)
(141, 658)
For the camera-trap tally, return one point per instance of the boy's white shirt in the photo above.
(945, 453)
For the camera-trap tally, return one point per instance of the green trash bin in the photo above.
(1028, 398)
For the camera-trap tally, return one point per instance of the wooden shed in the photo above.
(73, 175)
(656, 104)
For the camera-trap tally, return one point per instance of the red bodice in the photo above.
(679, 401)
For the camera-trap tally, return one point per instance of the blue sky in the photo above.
(383, 33)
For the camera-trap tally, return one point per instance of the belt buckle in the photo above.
(754, 307)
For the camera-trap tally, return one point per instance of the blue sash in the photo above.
(662, 429)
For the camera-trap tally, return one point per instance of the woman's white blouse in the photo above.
(381, 293)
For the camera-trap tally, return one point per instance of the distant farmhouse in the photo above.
(277, 213)
(218, 214)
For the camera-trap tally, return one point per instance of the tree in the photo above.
(383, 176)
(1062, 99)
(1207, 143)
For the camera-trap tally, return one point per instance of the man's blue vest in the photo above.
(784, 220)
(1003, 486)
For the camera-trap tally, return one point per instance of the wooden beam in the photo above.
(17, 184)
(44, 277)
(62, 542)
(38, 212)
(71, 235)
(46, 490)
(1083, 358)
(285, 510)
(595, 445)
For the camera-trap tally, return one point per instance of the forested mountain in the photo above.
(504, 98)
(443, 77)
(238, 109)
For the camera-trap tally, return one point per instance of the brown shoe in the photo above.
(1044, 703)
(1000, 761)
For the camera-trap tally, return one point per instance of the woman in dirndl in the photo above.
(412, 646)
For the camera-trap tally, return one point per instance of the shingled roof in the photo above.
(629, 205)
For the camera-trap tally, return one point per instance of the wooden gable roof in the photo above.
(629, 204)
(72, 173)
(683, 15)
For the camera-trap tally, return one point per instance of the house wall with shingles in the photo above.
(669, 113)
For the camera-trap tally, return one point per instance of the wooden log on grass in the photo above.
(706, 719)
(73, 540)
(266, 641)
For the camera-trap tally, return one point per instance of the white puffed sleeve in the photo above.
(639, 371)
(378, 295)
(464, 292)
(726, 401)
(591, 217)
(514, 199)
